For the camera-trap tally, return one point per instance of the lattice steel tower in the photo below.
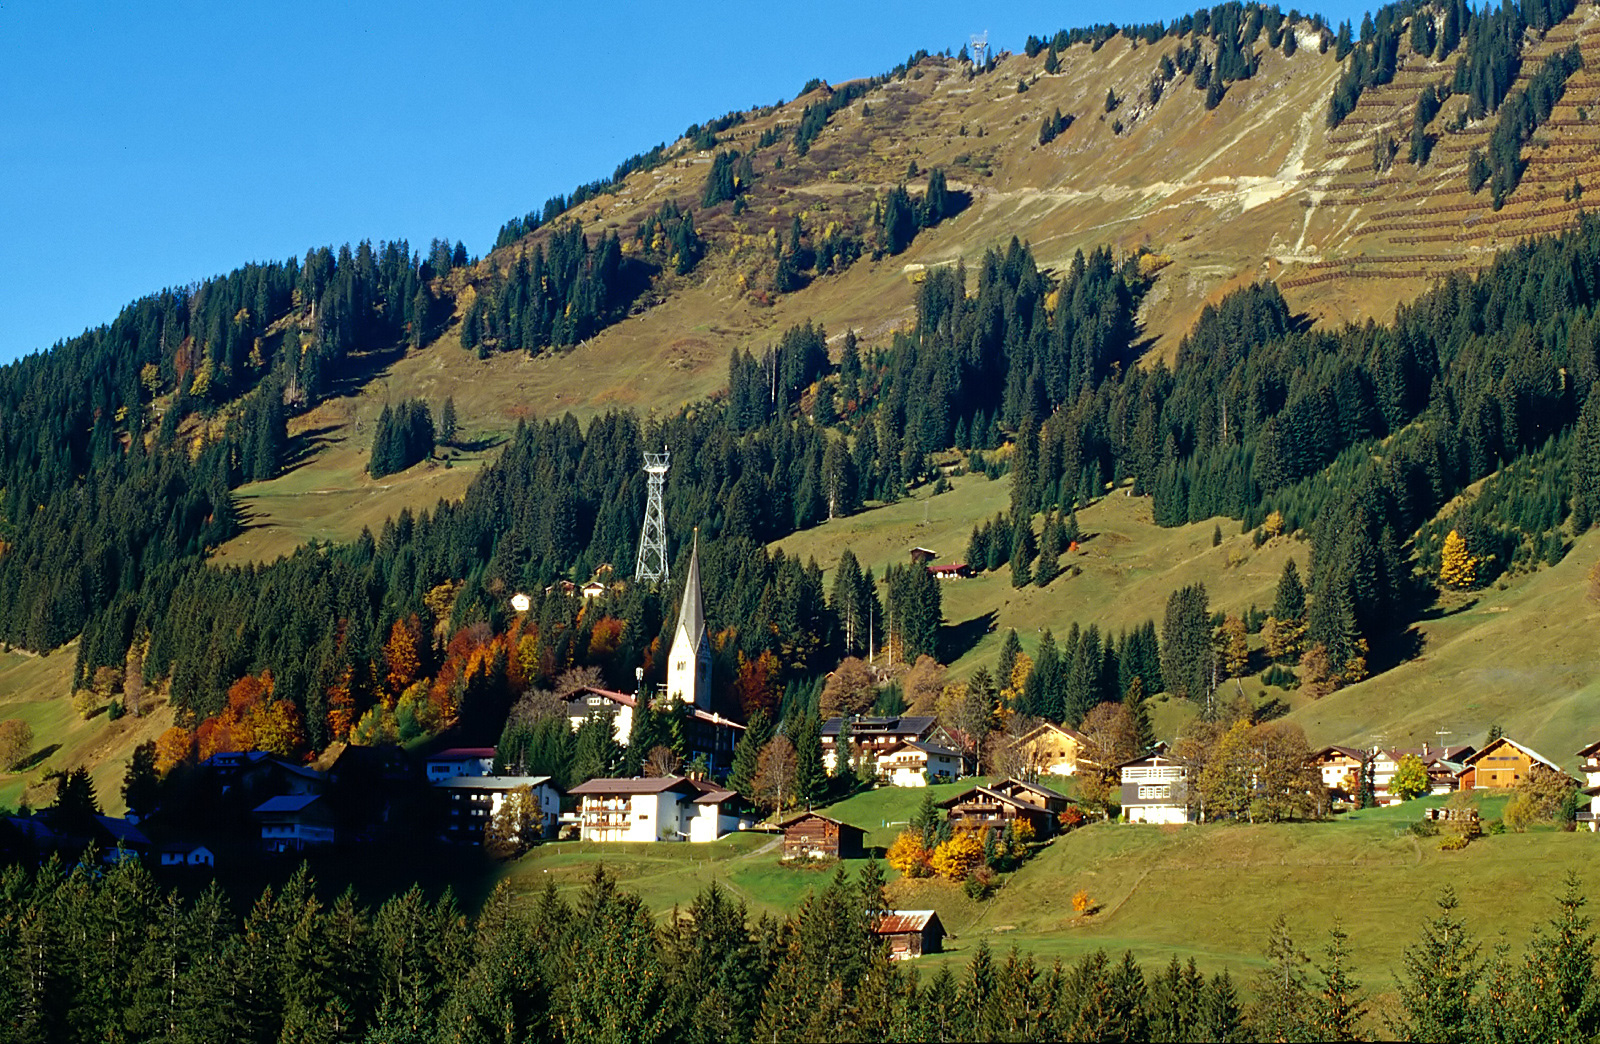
(652, 564)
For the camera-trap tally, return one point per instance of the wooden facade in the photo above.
(982, 807)
(1502, 764)
(812, 835)
(910, 933)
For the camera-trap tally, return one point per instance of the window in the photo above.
(1148, 792)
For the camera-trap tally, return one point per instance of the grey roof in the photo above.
(904, 725)
(289, 803)
(649, 785)
(124, 832)
(926, 748)
(691, 616)
(492, 782)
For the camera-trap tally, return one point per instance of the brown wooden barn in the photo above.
(811, 835)
(910, 933)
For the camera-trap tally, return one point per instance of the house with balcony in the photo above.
(916, 764)
(1155, 789)
(982, 808)
(660, 808)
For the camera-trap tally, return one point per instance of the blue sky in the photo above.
(153, 144)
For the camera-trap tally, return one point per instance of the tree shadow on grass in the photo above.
(36, 758)
(960, 639)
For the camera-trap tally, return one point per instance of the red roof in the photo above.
(463, 754)
(894, 922)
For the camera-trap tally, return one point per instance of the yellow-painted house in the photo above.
(1051, 750)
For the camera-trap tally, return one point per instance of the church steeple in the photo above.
(689, 663)
(691, 615)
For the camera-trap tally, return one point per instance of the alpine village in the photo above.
(1084, 542)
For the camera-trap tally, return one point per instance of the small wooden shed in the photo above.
(811, 835)
(910, 933)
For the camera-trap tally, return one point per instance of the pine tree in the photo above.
(1439, 985)
(1338, 1005)
(811, 775)
(747, 755)
(447, 421)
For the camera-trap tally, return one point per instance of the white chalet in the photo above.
(916, 764)
(662, 808)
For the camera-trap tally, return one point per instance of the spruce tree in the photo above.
(1010, 649)
(811, 776)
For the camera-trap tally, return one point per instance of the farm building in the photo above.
(1503, 763)
(910, 933)
(811, 835)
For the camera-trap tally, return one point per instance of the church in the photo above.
(688, 682)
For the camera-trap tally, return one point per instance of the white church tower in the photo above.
(689, 665)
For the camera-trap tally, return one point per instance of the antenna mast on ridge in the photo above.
(980, 50)
(652, 563)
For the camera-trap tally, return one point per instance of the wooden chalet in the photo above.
(1591, 763)
(812, 835)
(910, 933)
(1340, 769)
(1033, 794)
(1051, 750)
(983, 807)
(958, 571)
(923, 555)
(1503, 763)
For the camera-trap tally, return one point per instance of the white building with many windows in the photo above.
(1155, 789)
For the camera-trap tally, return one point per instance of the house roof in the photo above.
(894, 922)
(182, 848)
(287, 804)
(1487, 747)
(926, 748)
(637, 785)
(616, 697)
(1158, 757)
(965, 795)
(956, 568)
(914, 726)
(123, 832)
(1355, 753)
(463, 754)
(492, 782)
(1050, 726)
(792, 820)
(1015, 783)
(1591, 749)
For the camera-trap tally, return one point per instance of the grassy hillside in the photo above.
(1126, 565)
(37, 690)
(1257, 188)
(1209, 892)
(1522, 656)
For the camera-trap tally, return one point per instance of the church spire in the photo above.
(691, 615)
(689, 662)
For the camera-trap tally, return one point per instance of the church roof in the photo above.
(691, 616)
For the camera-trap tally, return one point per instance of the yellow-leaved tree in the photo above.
(1457, 568)
(907, 854)
(958, 857)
